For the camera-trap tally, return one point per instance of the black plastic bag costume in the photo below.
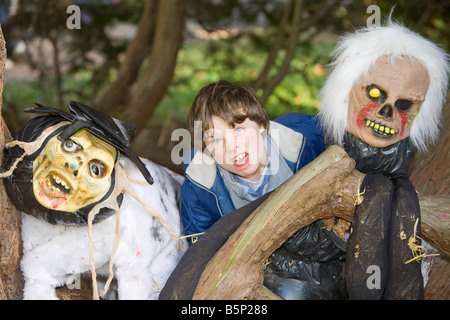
(308, 266)
(378, 240)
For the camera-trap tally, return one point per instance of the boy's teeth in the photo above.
(239, 158)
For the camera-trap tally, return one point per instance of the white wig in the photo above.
(357, 52)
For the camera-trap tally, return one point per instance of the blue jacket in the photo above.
(204, 197)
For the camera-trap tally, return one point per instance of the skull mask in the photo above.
(383, 104)
(75, 173)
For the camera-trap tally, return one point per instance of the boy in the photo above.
(238, 159)
(242, 155)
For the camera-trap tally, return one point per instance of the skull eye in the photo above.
(403, 105)
(97, 169)
(376, 94)
(71, 147)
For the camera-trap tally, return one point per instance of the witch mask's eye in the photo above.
(97, 169)
(70, 146)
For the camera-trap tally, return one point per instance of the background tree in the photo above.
(134, 95)
(11, 280)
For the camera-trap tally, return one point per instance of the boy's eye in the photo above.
(217, 142)
(238, 129)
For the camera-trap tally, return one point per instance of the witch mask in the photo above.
(384, 103)
(62, 165)
(75, 173)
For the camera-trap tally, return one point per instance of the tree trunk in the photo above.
(294, 8)
(325, 188)
(11, 281)
(135, 94)
(113, 95)
(430, 174)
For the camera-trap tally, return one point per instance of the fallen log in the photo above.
(236, 270)
(327, 187)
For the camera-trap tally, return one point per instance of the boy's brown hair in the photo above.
(232, 103)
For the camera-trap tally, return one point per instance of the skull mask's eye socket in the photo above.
(403, 105)
(97, 169)
(71, 146)
(376, 94)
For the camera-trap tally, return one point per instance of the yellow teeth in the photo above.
(380, 129)
(57, 184)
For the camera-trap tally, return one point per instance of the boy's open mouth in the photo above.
(241, 162)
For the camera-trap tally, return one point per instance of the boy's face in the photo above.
(239, 150)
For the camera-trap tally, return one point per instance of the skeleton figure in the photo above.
(381, 108)
(381, 102)
(86, 200)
